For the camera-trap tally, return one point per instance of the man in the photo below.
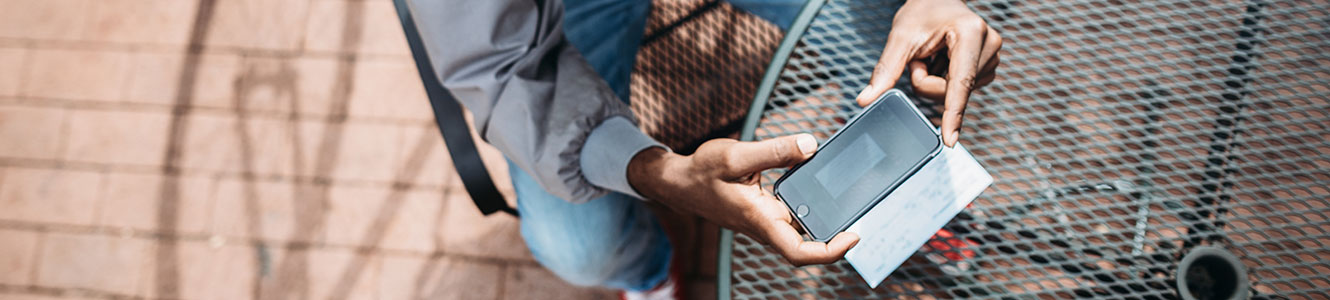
(547, 82)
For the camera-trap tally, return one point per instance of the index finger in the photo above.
(888, 69)
(966, 43)
(799, 252)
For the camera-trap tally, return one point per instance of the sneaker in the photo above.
(668, 290)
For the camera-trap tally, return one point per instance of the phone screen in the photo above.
(872, 154)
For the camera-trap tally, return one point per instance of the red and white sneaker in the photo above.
(670, 289)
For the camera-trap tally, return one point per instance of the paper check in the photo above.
(896, 227)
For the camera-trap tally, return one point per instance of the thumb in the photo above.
(752, 157)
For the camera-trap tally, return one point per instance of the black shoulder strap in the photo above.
(456, 134)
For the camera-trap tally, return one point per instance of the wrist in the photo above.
(647, 172)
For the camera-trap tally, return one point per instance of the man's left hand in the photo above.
(921, 30)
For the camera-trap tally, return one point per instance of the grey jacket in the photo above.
(532, 94)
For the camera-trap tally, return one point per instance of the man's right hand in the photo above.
(720, 183)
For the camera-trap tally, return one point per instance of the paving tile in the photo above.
(66, 296)
(415, 227)
(212, 144)
(46, 19)
(315, 148)
(102, 263)
(305, 85)
(11, 69)
(380, 31)
(437, 168)
(255, 144)
(383, 32)
(152, 21)
(316, 84)
(354, 211)
(264, 209)
(369, 151)
(131, 200)
(154, 77)
(198, 199)
(17, 250)
(119, 137)
(315, 273)
(214, 83)
(38, 129)
(308, 148)
(389, 88)
(323, 29)
(261, 24)
(267, 84)
(400, 276)
(443, 278)
(208, 273)
(280, 273)
(377, 216)
(534, 282)
(261, 145)
(49, 196)
(464, 230)
(76, 74)
(341, 273)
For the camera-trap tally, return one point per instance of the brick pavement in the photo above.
(232, 149)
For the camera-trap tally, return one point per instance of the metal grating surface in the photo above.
(1121, 134)
(695, 81)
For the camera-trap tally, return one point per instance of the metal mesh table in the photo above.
(1141, 150)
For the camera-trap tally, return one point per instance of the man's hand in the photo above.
(921, 30)
(720, 183)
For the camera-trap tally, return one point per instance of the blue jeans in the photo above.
(613, 241)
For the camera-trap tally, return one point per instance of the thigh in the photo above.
(607, 33)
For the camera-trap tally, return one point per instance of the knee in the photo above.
(584, 261)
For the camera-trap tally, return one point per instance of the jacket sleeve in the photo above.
(532, 95)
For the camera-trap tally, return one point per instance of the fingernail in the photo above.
(953, 137)
(807, 144)
(864, 93)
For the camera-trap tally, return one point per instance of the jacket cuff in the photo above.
(608, 149)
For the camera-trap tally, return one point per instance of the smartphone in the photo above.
(859, 165)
